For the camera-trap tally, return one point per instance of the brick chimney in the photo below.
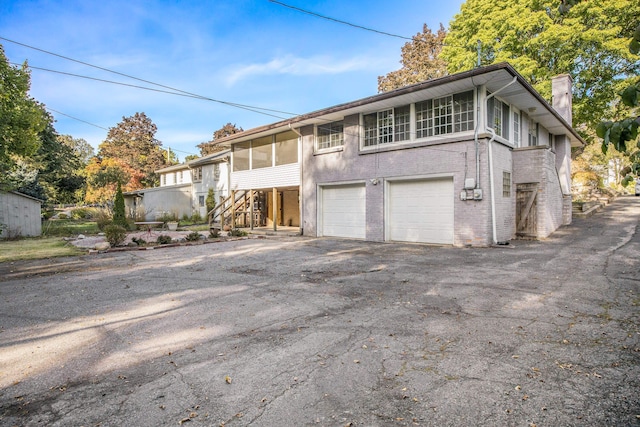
(562, 96)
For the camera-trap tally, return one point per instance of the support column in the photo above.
(275, 209)
(251, 209)
(233, 209)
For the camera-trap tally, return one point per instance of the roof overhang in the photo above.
(493, 77)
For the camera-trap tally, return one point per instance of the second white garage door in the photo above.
(343, 211)
(420, 211)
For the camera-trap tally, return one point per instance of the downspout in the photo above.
(491, 184)
(300, 159)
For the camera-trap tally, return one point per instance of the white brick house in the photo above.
(475, 158)
(183, 189)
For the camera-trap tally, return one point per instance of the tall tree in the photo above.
(623, 133)
(21, 118)
(420, 61)
(544, 38)
(103, 176)
(209, 147)
(133, 143)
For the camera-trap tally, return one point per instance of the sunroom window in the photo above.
(453, 113)
(392, 125)
(329, 135)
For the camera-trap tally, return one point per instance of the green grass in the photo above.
(36, 248)
(69, 227)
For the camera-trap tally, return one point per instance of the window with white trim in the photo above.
(506, 184)
(382, 127)
(449, 114)
(533, 133)
(516, 128)
(329, 135)
(196, 174)
(498, 117)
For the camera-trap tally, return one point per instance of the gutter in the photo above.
(491, 183)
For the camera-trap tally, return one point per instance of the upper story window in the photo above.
(516, 128)
(533, 133)
(329, 135)
(449, 114)
(196, 174)
(392, 125)
(268, 151)
(498, 117)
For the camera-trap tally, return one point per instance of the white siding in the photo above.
(278, 176)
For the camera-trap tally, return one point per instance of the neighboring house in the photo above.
(475, 158)
(183, 189)
(211, 171)
(20, 215)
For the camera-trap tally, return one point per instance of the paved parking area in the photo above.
(305, 332)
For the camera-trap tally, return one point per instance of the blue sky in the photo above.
(251, 52)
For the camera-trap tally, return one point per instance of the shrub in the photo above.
(62, 216)
(119, 217)
(236, 232)
(194, 236)
(139, 241)
(115, 234)
(163, 239)
(103, 218)
(214, 233)
(81, 213)
(196, 218)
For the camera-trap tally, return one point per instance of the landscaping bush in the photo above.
(236, 232)
(62, 216)
(115, 234)
(81, 213)
(196, 218)
(214, 233)
(194, 236)
(103, 218)
(163, 239)
(139, 241)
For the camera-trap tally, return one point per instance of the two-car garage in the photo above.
(418, 210)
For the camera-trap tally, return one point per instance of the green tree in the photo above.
(209, 147)
(119, 217)
(420, 61)
(21, 118)
(544, 38)
(210, 200)
(60, 168)
(622, 134)
(133, 142)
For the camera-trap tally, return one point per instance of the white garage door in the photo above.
(421, 211)
(343, 211)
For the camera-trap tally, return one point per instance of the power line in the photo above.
(75, 118)
(254, 109)
(340, 21)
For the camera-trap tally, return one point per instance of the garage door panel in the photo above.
(343, 211)
(421, 211)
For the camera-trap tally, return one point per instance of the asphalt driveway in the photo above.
(305, 332)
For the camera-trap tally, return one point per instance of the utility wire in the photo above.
(340, 21)
(75, 118)
(254, 109)
(328, 18)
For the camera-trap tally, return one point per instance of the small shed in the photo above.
(20, 215)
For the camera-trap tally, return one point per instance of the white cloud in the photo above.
(289, 64)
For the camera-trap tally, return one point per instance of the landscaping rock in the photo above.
(102, 246)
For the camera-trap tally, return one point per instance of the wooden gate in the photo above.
(527, 210)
